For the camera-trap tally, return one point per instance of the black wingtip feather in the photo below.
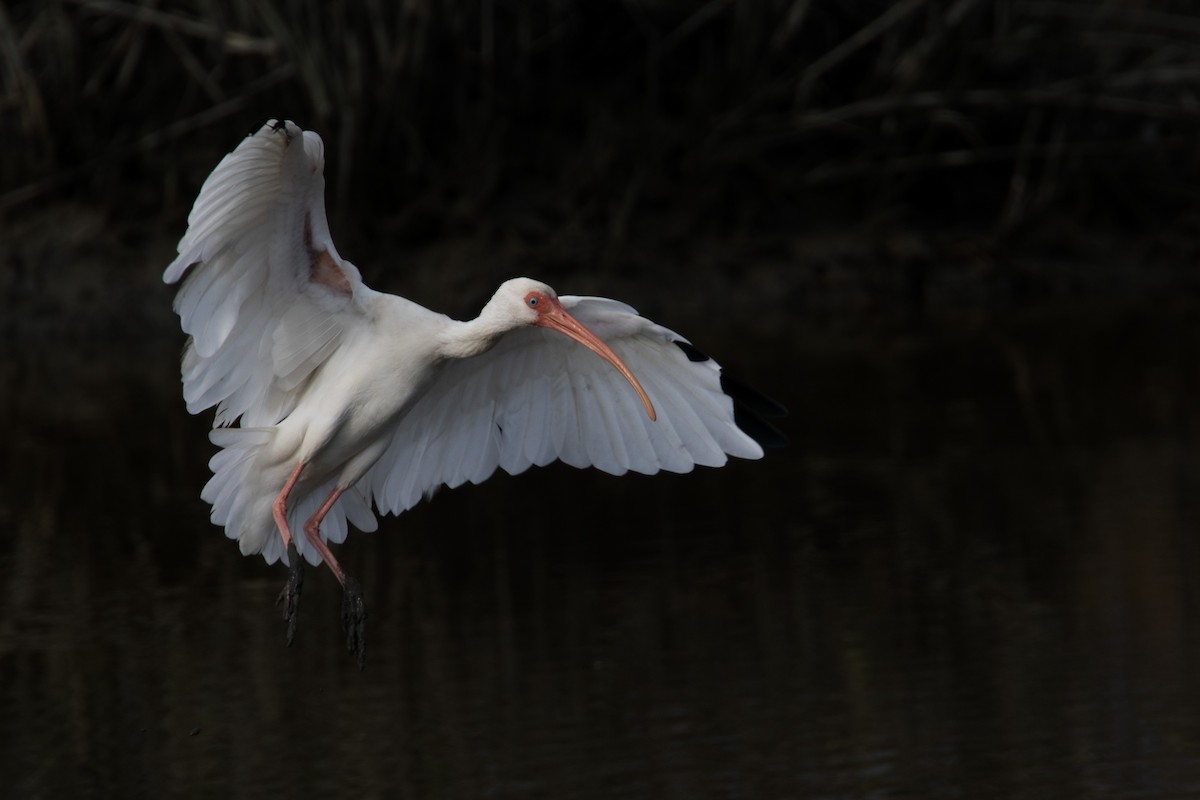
(758, 429)
(751, 400)
(751, 410)
(691, 352)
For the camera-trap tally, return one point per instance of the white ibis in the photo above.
(332, 398)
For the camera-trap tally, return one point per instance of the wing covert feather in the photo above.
(264, 295)
(537, 396)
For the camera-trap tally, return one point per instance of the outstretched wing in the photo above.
(265, 296)
(537, 396)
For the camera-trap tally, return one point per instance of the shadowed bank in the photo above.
(633, 138)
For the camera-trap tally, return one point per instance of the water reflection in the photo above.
(970, 576)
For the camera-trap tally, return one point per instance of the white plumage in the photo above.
(536, 397)
(344, 394)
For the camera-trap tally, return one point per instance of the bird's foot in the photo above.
(290, 595)
(354, 621)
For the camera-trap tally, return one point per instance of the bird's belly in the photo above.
(344, 440)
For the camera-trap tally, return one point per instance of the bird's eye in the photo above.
(532, 300)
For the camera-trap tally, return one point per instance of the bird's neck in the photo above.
(477, 336)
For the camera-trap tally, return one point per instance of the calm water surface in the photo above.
(972, 575)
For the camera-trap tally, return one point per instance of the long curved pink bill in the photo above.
(558, 319)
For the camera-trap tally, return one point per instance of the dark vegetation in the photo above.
(917, 129)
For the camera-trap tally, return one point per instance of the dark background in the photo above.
(956, 239)
(855, 152)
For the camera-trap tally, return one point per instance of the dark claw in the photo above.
(354, 621)
(290, 595)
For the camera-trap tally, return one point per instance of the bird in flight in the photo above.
(333, 399)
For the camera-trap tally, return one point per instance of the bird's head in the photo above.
(534, 303)
(526, 301)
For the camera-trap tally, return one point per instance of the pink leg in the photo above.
(290, 596)
(354, 612)
(312, 530)
(279, 507)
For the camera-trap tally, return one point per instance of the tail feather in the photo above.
(242, 491)
(352, 508)
(244, 513)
